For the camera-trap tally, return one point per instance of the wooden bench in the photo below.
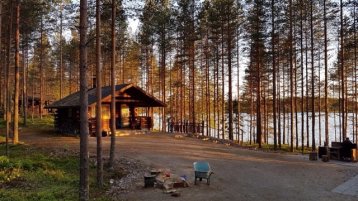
(339, 151)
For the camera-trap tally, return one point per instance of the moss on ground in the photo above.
(37, 174)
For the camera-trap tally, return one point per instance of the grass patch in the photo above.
(270, 147)
(46, 122)
(36, 174)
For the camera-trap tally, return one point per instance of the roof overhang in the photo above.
(136, 97)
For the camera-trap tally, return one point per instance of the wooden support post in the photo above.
(119, 118)
(132, 117)
(202, 127)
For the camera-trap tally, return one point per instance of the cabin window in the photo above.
(125, 111)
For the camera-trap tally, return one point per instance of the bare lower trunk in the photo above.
(312, 82)
(274, 75)
(343, 105)
(15, 139)
(41, 70)
(2, 102)
(302, 79)
(326, 134)
(84, 184)
(231, 135)
(99, 97)
(24, 84)
(291, 77)
(7, 96)
(113, 83)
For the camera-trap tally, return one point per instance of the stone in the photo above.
(325, 158)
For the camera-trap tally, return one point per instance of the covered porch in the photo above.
(127, 117)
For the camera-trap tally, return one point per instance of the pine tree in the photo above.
(257, 55)
(84, 182)
(17, 74)
(99, 96)
(113, 85)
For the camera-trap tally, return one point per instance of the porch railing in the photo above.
(186, 127)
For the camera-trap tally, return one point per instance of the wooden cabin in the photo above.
(128, 98)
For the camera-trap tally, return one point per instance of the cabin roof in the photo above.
(138, 97)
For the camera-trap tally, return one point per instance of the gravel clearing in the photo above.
(240, 174)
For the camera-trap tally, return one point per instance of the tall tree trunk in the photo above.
(7, 95)
(25, 77)
(217, 91)
(302, 79)
(162, 78)
(84, 184)
(279, 134)
(343, 105)
(283, 104)
(2, 102)
(70, 78)
(334, 116)
(319, 99)
(295, 99)
(208, 94)
(99, 96)
(340, 108)
(291, 75)
(251, 109)
(265, 119)
(15, 139)
(229, 38)
(61, 53)
(258, 106)
(113, 85)
(192, 61)
(41, 70)
(355, 71)
(274, 110)
(222, 84)
(238, 88)
(307, 100)
(312, 82)
(32, 99)
(326, 134)
(216, 100)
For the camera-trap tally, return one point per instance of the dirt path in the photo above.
(239, 174)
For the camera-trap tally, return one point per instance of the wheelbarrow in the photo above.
(202, 171)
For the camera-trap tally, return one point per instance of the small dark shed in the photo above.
(128, 98)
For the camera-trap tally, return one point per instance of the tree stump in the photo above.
(313, 156)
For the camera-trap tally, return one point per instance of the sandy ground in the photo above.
(239, 174)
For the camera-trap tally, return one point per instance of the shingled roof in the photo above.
(146, 100)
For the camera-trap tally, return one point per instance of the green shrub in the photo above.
(8, 170)
(27, 165)
(4, 163)
(9, 174)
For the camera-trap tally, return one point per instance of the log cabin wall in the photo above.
(67, 120)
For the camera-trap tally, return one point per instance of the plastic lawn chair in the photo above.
(202, 171)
